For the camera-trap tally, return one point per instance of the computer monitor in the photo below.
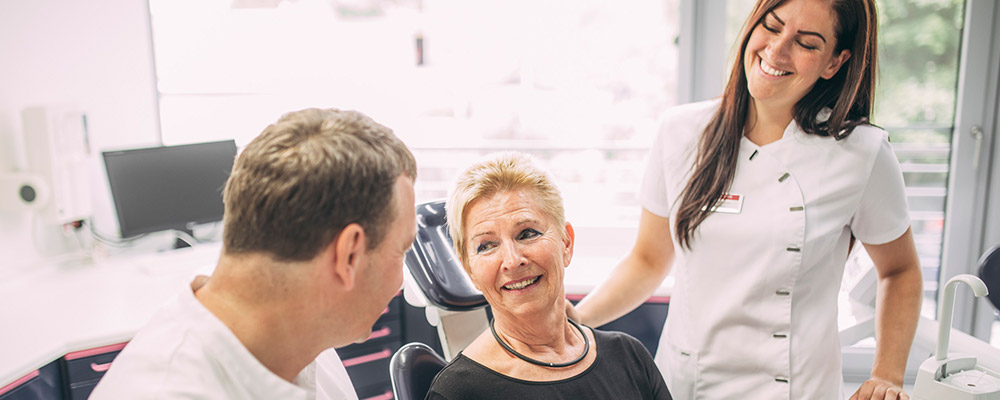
(168, 187)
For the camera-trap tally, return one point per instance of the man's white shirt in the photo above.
(186, 352)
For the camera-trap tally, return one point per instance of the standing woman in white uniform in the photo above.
(755, 200)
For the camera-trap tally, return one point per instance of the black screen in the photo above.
(168, 187)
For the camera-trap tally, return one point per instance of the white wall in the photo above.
(95, 54)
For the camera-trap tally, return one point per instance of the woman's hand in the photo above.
(879, 389)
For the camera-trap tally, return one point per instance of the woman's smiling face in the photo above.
(517, 254)
(791, 48)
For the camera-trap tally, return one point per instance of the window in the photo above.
(919, 44)
(579, 84)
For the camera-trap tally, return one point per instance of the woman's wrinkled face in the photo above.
(517, 254)
(791, 48)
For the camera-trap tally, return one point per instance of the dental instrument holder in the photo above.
(955, 376)
(434, 278)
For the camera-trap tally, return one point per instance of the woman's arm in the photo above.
(897, 310)
(636, 276)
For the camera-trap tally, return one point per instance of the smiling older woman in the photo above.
(506, 219)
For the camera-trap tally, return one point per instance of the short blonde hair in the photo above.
(498, 173)
(306, 177)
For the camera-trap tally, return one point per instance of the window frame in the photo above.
(701, 66)
(967, 207)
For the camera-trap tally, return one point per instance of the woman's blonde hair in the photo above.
(498, 173)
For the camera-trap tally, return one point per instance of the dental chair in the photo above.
(435, 279)
(412, 369)
(989, 272)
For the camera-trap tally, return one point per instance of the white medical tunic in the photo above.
(186, 352)
(753, 314)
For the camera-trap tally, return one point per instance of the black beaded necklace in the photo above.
(586, 349)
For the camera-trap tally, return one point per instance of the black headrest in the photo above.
(412, 370)
(989, 272)
(435, 267)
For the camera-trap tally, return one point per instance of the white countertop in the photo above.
(58, 309)
(61, 308)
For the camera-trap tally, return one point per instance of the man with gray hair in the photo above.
(319, 211)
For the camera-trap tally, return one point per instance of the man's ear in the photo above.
(348, 252)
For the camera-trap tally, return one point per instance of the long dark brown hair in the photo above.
(849, 95)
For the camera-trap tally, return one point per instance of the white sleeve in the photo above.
(332, 381)
(883, 215)
(672, 153)
(653, 194)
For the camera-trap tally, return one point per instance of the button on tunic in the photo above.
(754, 309)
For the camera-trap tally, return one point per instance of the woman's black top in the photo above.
(623, 370)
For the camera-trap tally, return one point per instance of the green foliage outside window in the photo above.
(919, 55)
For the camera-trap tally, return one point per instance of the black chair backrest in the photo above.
(412, 369)
(989, 272)
(435, 267)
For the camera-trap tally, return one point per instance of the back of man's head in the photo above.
(306, 177)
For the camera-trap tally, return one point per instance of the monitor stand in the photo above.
(180, 243)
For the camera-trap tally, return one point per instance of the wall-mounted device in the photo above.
(22, 192)
(57, 146)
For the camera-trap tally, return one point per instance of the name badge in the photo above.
(729, 204)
